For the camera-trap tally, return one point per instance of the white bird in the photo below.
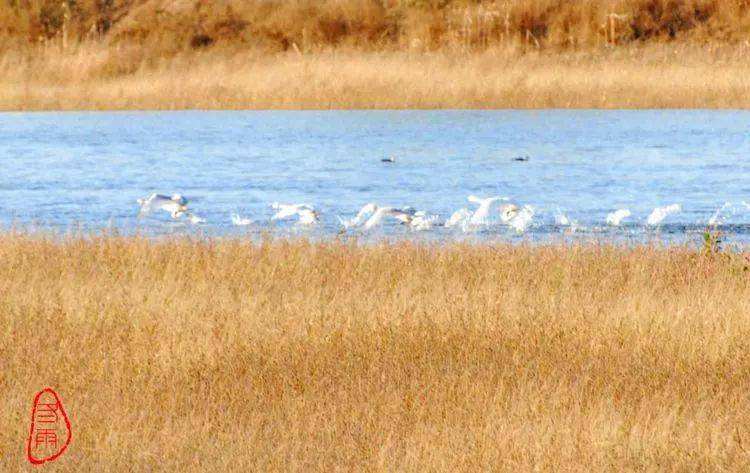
(508, 212)
(614, 218)
(308, 217)
(239, 221)
(360, 218)
(522, 219)
(305, 213)
(404, 215)
(421, 221)
(459, 217)
(481, 214)
(561, 219)
(176, 205)
(660, 213)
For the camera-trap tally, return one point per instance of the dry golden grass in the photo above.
(164, 27)
(636, 77)
(223, 356)
(250, 54)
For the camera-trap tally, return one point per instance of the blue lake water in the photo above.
(63, 171)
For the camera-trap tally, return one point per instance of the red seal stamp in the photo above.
(50, 428)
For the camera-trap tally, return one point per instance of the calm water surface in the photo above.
(62, 171)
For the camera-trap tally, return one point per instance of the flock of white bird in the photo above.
(486, 211)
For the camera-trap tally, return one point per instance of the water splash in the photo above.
(717, 218)
(660, 213)
(561, 219)
(239, 221)
(616, 217)
(196, 220)
(422, 221)
(481, 215)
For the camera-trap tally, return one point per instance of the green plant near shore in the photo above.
(712, 240)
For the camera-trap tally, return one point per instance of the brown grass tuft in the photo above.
(222, 355)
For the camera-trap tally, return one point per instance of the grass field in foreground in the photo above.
(221, 355)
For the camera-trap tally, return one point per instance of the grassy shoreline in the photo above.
(397, 54)
(640, 77)
(201, 355)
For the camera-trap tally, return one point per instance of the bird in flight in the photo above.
(306, 214)
(176, 204)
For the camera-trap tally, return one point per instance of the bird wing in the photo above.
(284, 211)
(457, 217)
(363, 212)
(616, 217)
(288, 210)
(481, 214)
(155, 202)
(522, 219)
(660, 213)
(361, 216)
(404, 216)
(485, 205)
(376, 217)
(169, 206)
(654, 217)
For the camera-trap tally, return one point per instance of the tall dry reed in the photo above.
(224, 355)
(636, 77)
